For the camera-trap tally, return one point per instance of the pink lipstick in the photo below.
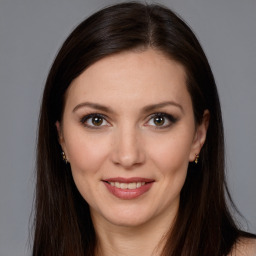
(128, 188)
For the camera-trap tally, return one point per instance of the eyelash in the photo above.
(85, 119)
(168, 118)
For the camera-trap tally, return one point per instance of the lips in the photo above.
(128, 188)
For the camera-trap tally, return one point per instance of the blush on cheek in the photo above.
(170, 154)
(85, 158)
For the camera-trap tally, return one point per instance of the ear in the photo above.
(60, 136)
(200, 136)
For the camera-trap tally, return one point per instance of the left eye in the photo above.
(161, 120)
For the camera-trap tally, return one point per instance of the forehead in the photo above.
(145, 77)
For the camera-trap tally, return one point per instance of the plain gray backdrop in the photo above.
(31, 32)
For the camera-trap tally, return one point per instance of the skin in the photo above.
(244, 247)
(130, 143)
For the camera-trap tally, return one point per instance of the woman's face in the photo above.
(128, 132)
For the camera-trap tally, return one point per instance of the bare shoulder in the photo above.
(244, 247)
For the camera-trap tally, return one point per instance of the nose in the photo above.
(128, 148)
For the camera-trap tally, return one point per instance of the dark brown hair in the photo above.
(63, 225)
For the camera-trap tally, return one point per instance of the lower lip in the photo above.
(128, 194)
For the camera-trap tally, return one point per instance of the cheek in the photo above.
(171, 154)
(86, 153)
(170, 157)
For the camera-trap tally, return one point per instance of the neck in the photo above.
(144, 240)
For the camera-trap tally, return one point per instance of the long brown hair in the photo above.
(63, 226)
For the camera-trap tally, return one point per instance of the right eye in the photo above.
(94, 121)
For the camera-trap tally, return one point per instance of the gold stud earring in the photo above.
(196, 158)
(64, 158)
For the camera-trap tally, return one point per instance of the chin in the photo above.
(124, 217)
(128, 221)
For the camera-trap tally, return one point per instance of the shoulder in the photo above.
(244, 247)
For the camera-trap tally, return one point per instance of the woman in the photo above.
(130, 156)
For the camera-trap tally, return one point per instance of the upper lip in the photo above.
(128, 180)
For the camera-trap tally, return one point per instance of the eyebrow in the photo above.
(95, 106)
(148, 108)
(152, 107)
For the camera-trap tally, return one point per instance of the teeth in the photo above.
(116, 184)
(132, 185)
(138, 185)
(123, 185)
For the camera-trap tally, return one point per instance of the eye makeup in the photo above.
(159, 120)
(94, 121)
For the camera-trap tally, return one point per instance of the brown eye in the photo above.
(94, 121)
(159, 120)
(97, 120)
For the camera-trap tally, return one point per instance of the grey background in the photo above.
(31, 32)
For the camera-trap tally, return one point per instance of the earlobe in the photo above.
(200, 136)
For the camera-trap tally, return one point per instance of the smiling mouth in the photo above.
(131, 185)
(128, 188)
(128, 183)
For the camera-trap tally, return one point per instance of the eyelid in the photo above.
(169, 117)
(85, 118)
